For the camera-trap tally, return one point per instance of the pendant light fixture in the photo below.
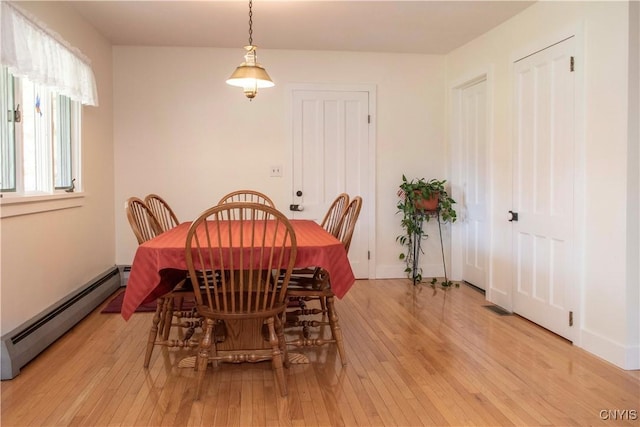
(250, 75)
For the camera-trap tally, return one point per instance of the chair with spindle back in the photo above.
(248, 196)
(143, 223)
(318, 286)
(333, 217)
(331, 222)
(145, 227)
(163, 213)
(234, 249)
(167, 219)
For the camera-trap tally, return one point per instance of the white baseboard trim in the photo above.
(625, 357)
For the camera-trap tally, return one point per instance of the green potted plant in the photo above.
(419, 201)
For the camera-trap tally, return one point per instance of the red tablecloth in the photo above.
(160, 263)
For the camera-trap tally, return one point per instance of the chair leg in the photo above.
(279, 326)
(276, 359)
(153, 333)
(168, 318)
(174, 309)
(335, 329)
(203, 355)
(163, 315)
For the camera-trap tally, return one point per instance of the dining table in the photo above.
(160, 264)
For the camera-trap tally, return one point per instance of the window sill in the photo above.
(26, 205)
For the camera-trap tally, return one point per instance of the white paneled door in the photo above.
(543, 182)
(330, 137)
(473, 141)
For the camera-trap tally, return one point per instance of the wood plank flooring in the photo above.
(415, 359)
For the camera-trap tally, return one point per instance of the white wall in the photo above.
(47, 256)
(633, 218)
(606, 319)
(181, 132)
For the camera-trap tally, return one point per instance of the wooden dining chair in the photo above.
(163, 213)
(348, 222)
(333, 217)
(317, 286)
(174, 313)
(249, 196)
(235, 249)
(145, 227)
(331, 223)
(143, 223)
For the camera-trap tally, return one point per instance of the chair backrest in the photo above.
(238, 251)
(163, 213)
(331, 220)
(143, 223)
(348, 223)
(249, 196)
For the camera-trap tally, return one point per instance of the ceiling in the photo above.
(427, 27)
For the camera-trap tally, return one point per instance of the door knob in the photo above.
(514, 216)
(299, 193)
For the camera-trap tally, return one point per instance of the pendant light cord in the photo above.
(250, 23)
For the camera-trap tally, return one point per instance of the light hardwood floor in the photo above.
(414, 359)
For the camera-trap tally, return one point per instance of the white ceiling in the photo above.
(432, 27)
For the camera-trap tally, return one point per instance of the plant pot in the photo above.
(421, 204)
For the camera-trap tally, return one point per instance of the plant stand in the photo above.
(416, 246)
(444, 262)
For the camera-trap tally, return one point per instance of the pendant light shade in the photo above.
(250, 75)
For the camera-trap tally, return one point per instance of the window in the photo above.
(43, 83)
(40, 138)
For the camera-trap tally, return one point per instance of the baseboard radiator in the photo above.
(24, 343)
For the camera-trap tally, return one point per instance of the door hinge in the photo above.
(368, 254)
(572, 64)
(571, 318)
(369, 118)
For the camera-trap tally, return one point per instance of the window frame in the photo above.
(48, 190)
(7, 136)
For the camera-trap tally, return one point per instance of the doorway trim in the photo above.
(370, 199)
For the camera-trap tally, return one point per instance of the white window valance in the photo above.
(28, 49)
